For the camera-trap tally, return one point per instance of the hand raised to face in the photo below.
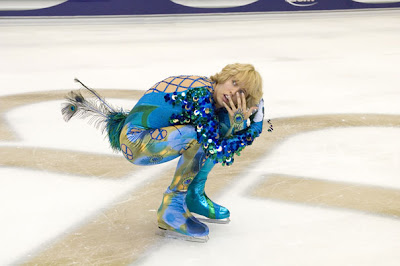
(240, 113)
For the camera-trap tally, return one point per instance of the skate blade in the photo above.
(204, 219)
(175, 235)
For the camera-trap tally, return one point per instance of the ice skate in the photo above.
(202, 207)
(175, 221)
(174, 235)
(206, 210)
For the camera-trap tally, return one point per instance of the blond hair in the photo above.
(246, 76)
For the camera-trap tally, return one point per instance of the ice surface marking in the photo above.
(115, 219)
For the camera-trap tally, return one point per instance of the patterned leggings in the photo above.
(154, 146)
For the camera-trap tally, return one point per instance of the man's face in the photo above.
(228, 89)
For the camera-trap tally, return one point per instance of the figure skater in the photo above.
(200, 120)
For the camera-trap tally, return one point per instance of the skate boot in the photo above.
(175, 220)
(198, 202)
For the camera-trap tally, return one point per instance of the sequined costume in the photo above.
(177, 118)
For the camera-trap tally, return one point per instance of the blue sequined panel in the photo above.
(198, 110)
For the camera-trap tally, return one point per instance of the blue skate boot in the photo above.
(175, 220)
(198, 202)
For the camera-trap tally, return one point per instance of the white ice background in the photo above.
(312, 63)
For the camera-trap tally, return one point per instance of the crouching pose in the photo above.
(202, 121)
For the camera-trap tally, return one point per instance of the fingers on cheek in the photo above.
(234, 100)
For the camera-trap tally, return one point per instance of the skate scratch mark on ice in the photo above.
(144, 224)
(9, 102)
(43, 159)
(370, 199)
(129, 229)
(275, 187)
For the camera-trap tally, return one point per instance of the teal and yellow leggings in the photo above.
(154, 146)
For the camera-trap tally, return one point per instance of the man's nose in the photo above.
(233, 96)
(233, 91)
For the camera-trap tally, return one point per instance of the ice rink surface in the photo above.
(322, 189)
